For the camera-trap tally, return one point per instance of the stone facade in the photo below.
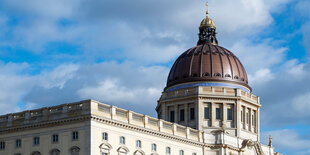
(91, 128)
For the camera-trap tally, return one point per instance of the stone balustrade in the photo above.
(214, 91)
(147, 122)
(91, 107)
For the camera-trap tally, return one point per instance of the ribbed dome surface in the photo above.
(205, 63)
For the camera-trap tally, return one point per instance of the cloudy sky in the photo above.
(120, 52)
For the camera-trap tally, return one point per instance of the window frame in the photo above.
(36, 141)
(182, 115)
(168, 148)
(192, 114)
(154, 147)
(55, 138)
(122, 140)
(75, 135)
(105, 136)
(18, 143)
(206, 112)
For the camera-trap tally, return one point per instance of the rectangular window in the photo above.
(2, 145)
(122, 140)
(241, 116)
(171, 116)
(207, 113)
(247, 118)
(229, 114)
(36, 140)
(138, 143)
(192, 114)
(55, 138)
(18, 143)
(253, 120)
(75, 135)
(182, 115)
(104, 153)
(218, 113)
(105, 136)
(168, 150)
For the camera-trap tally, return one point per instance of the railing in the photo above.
(217, 91)
(99, 109)
(44, 114)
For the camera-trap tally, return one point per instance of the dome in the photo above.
(207, 22)
(208, 62)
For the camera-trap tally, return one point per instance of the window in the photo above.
(75, 150)
(171, 116)
(138, 143)
(192, 114)
(182, 115)
(2, 145)
(181, 152)
(55, 152)
(36, 140)
(153, 147)
(207, 113)
(229, 114)
(55, 138)
(75, 135)
(168, 150)
(241, 116)
(105, 136)
(218, 113)
(253, 123)
(18, 143)
(247, 118)
(36, 153)
(194, 154)
(122, 140)
(105, 148)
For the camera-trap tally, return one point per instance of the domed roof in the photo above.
(208, 62)
(207, 22)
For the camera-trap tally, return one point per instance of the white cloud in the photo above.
(288, 140)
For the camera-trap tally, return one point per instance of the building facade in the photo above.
(207, 108)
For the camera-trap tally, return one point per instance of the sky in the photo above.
(120, 52)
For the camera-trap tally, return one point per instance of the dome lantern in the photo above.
(207, 30)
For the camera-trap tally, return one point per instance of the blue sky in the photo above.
(120, 52)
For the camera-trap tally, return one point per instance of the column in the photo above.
(176, 113)
(224, 115)
(186, 113)
(213, 114)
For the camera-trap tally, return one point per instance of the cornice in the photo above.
(144, 130)
(45, 124)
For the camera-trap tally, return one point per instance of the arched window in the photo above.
(75, 150)
(105, 136)
(139, 144)
(123, 150)
(168, 150)
(154, 147)
(55, 152)
(122, 140)
(139, 152)
(36, 153)
(105, 148)
(181, 152)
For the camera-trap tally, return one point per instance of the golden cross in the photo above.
(207, 4)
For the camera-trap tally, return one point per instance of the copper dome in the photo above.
(208, 62)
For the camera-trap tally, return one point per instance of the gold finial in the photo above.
(270, 141)
(207, 4)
